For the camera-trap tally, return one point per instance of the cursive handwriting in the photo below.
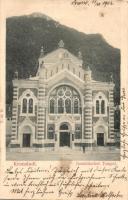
(124, 125)
(65, 182)
(96, 3)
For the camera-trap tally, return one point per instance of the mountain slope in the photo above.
(26, 35)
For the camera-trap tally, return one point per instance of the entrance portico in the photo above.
(64, 129)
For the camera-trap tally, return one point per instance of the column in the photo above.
(57, 136)
(72, 138)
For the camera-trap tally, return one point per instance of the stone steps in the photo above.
(63, 150)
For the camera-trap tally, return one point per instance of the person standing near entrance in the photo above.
(83, 148)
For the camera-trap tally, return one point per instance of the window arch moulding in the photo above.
(27, 102)
(100, 103)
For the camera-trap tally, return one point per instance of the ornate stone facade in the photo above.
(62, 105)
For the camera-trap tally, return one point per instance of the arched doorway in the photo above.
(100, 136)
(100, 139)
(65, 139)
(26, 136)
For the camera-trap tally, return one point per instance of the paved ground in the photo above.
(66, 154)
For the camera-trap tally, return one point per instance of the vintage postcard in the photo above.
(64, 99)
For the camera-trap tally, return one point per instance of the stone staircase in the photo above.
(67, 150)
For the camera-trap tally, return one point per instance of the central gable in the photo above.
(59, 55)
(60, 61)
(65, 77)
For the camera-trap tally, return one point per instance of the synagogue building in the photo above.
(62, 105)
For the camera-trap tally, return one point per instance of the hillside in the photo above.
(26, 35)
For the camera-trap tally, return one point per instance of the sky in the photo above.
(106, 21)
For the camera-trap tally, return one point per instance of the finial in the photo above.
(42, 64)
(66, 55)
(16, 74)
(88, 68)
(111, 78)
(80, 55)
(61, 44)
(42, 52)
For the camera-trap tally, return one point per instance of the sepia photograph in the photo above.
(63, 99)
(63, 84)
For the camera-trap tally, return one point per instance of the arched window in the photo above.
(68, 105)
(60, 105)
(64, 97)
(24, 106)
(52, 106)
(78, 132)
(100, 104)
(102, 107)
(76, 106)
(50, 133)
(97, 107)
(27, 102)
(30, 108)
(64, 127)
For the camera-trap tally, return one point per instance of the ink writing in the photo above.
(65, 182)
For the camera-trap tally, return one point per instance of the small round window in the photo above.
(60, 92)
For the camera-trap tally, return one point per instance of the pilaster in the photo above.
(41, 111)
(88, 113)
(111, 116)
(14, 132)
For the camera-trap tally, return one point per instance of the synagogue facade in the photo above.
(62, 105)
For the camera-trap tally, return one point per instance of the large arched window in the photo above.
(24, 106)
(60, 105)
(67, 100)
(68, 105)
(52, 106)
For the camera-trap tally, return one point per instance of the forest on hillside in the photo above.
(26, 34)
